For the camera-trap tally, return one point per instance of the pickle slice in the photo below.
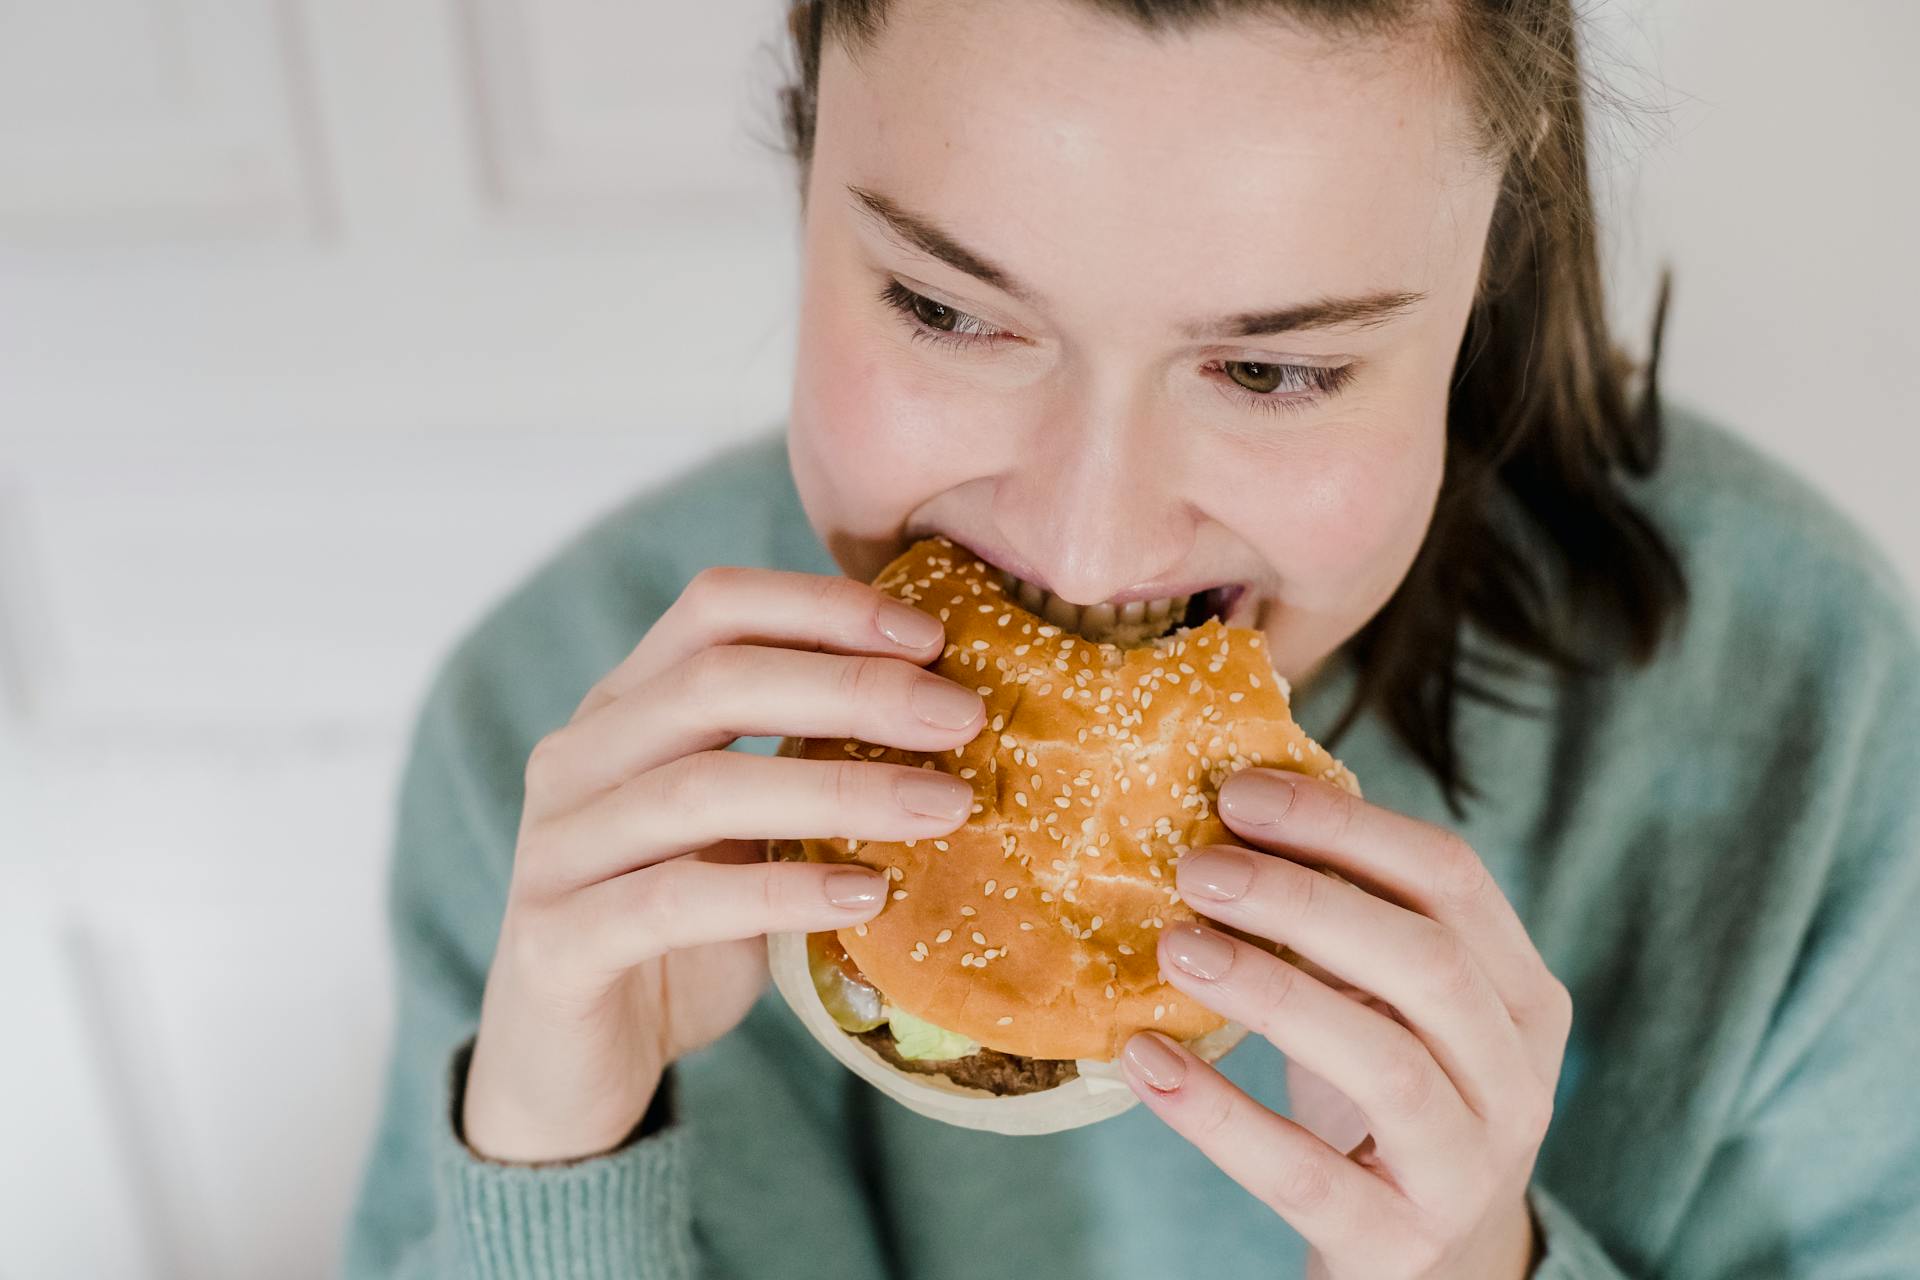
(853, 1003)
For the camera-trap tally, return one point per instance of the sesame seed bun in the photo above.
(1032, 929)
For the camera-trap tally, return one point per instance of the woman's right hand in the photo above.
(633, 931)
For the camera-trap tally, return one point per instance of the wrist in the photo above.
(499, 1124)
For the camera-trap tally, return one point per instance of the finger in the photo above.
(1344, 1211)
(736, 690)
(711, 796)
(686, 902)
(1424, 868)
(1413, 1110)
(1420, 967)
(729, 605)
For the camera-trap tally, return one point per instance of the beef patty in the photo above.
(1002, 1073)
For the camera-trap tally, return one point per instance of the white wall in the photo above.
(321, 322)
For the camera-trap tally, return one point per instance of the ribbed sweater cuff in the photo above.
(625, 1215)
(1571, 1252)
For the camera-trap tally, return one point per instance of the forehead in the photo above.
(1074, 146)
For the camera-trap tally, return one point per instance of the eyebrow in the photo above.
(1361, 311)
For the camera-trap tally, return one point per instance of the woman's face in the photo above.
(1062, 301)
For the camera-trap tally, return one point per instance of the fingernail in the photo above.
(1201, 952)
(1158, 1063)
(1219, 874)
(1257, 797)
(906, 626)
(934, 795)
(854, 889)
(944, 704)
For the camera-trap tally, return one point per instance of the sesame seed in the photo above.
(1020, 798)
(1011, 890)
(1004, 1020)
(1110, 991)
(966, 959)
(1027, 925)
(1006, 740)
(980, 939)
(940, 845)
(917, 955)
(1159, 1012)
(983, 689)
(943, 935)
(860, 930)
(979, 644)
(1096, 922)
(1125, 950)
(989, 887)
(968, 773)
(966, 911)
(899, 894)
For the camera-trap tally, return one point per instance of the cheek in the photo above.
(872, 436)
(1354, 515)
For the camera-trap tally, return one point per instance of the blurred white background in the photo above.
(321, 322)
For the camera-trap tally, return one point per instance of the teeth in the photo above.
(1130, 623)
(1060, 613)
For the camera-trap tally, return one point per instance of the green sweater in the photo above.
(1718, 854)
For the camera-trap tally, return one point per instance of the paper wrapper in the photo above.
(1099, 1091)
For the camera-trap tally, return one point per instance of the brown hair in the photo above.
(1533, 541)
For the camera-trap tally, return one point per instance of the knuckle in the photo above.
(1277, 984)
(1532, 1117)
(534, 947)
(543, 761)
(685, 783)
(863, 680)
(1451, 973)
(706, 674)
(1298, 891)
(1459, 876)
(778, 894)
(713, 582)
(1301, 1185)
(1556, 1003)
(1217, 1117)
(1407, 1080)
(848, 787)
(1422, 1252)
(1344, 810)
(661, 894)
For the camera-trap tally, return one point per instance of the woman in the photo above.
(1136, 299)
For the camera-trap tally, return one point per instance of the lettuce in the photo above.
(919, 1039)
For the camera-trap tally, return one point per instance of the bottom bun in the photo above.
(1099, 1091)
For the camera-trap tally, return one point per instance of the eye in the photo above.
(932, 321)
(1264, 386)
(1275, 388)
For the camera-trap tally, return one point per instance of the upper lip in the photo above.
(1006, 561)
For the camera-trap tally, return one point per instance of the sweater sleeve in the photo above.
(1567, 1250)
(428, 1206)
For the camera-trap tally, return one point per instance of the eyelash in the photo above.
(1321, 382)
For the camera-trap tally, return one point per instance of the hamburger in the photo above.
(1015, 956)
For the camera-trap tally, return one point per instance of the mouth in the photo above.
(1130, 624)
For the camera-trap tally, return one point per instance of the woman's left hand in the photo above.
(1436, 1017)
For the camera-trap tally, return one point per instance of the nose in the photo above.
(1095, 506)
